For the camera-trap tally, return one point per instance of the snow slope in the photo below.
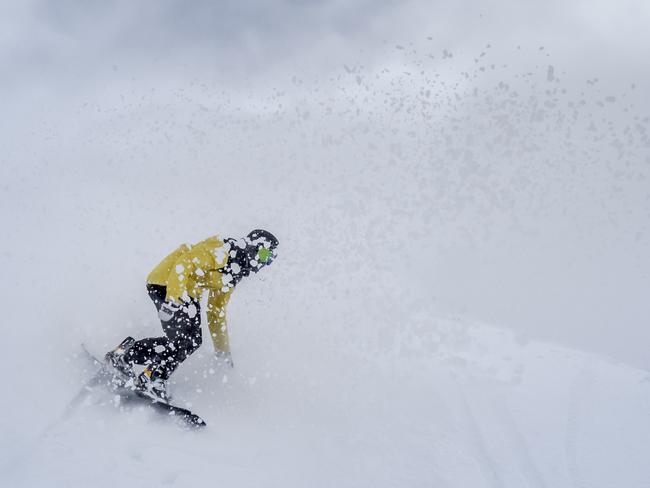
(494, 171)
(464, 405)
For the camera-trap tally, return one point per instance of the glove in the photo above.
(224, 357)
(167, 311)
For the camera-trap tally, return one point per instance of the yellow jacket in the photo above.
(188, 271)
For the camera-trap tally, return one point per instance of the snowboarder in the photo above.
(175, 286)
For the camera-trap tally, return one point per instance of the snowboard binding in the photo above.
(116, 360)
(151, 384)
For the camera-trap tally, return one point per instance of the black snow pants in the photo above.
(182, 336)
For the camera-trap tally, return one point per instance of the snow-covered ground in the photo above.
(461, 198)
(464, 405)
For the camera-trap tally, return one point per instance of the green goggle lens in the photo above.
(263, 255)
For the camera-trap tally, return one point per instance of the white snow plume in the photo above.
(479, 166)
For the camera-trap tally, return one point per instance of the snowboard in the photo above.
(121, 385)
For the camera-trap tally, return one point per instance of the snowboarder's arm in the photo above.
(216, 315)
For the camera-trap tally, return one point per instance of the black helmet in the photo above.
(262, 247)
(251, 253)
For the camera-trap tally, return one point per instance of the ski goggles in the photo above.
(264, 255)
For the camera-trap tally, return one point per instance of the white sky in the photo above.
(86, 81)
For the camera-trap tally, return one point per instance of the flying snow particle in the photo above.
(220, 253)
(550, 73)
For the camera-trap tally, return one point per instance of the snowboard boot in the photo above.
(151, 384)
(116, 359)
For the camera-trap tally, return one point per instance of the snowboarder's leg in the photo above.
(163, 355)
(184, 337)
(146, 351)
(157, 293)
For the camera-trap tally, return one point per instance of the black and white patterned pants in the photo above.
(182, 337)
